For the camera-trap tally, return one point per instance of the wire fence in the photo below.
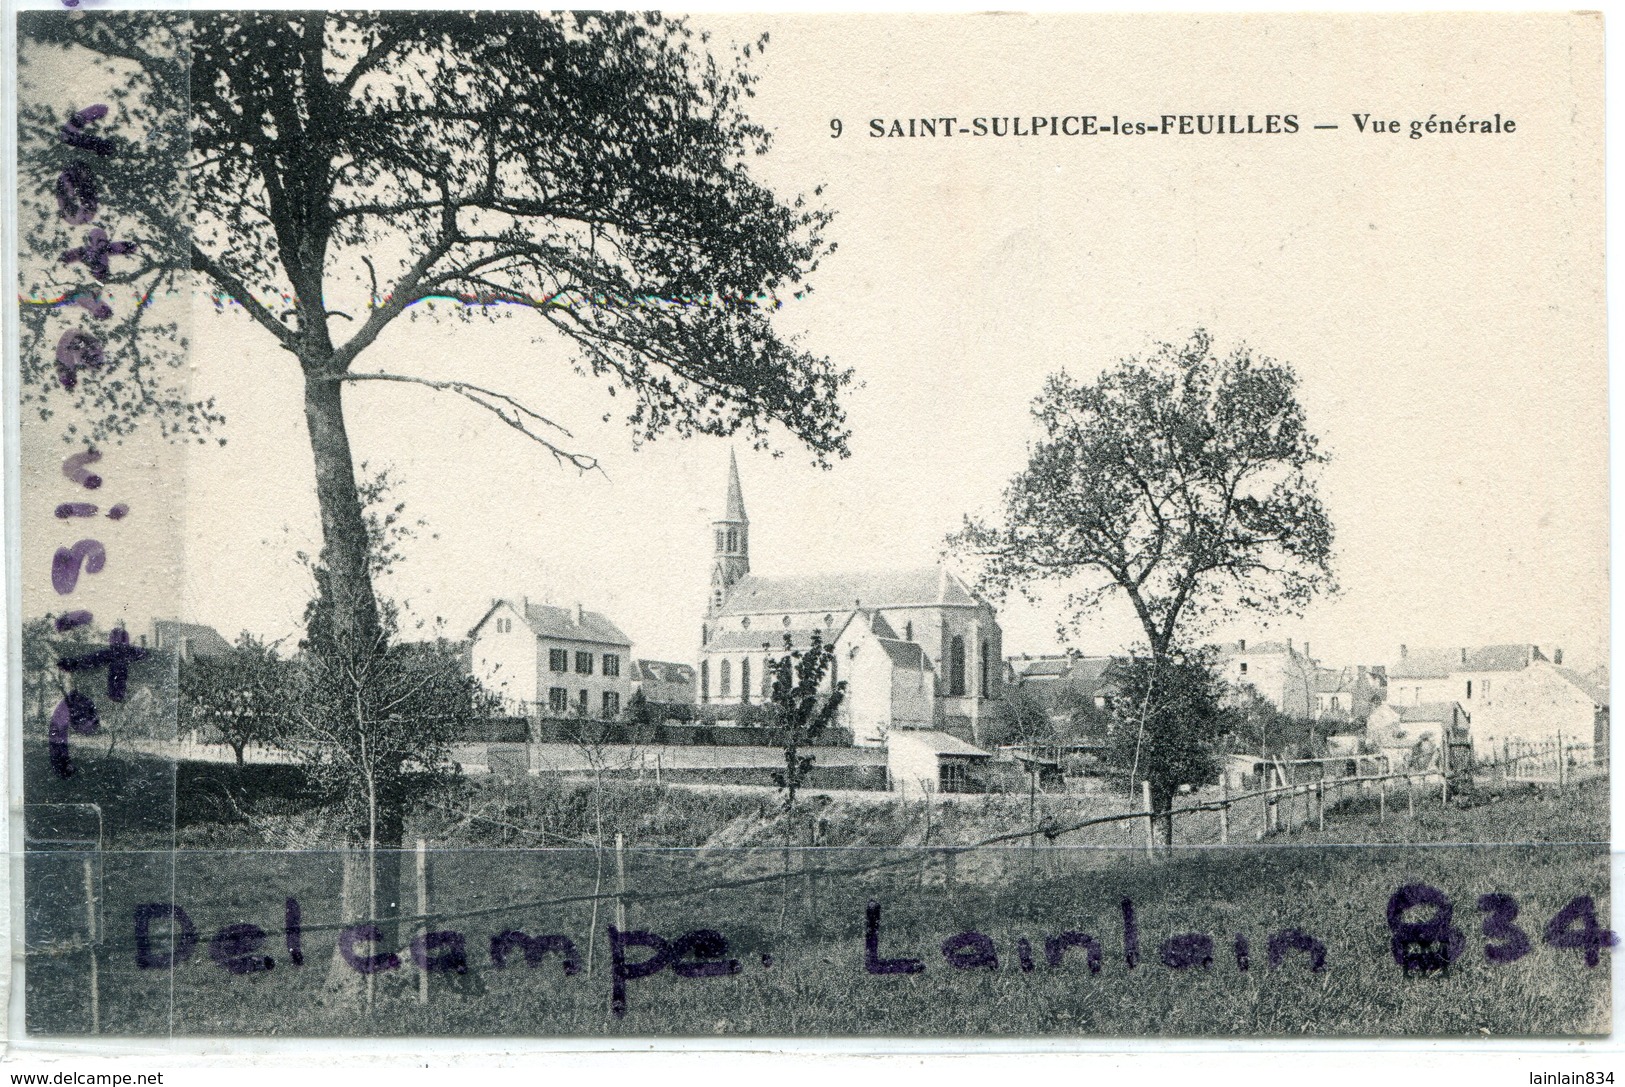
(1295, 797)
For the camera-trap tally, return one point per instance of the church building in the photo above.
(916, 647)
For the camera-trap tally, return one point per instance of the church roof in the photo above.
(841, 593)
(904, 654)
(736, 496)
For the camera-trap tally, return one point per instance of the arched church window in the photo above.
(722, 541)
(981, 674)
(956, 667)
(725, 679)
(705, 634)
(733, 539)
(705, 681)
(744, 680)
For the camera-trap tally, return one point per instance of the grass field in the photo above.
(1333, 886)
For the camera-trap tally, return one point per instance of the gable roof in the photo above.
(1438, 663)
(939, 742)
(840, 593)
(1430, 711)
(201, 640)
(650, 671)
(1587, 685)
(549, 621)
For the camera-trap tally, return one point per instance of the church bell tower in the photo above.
(730, 559)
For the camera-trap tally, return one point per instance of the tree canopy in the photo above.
(1184, 480)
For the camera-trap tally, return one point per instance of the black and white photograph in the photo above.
(622, 524)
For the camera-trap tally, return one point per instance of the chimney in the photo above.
(1289, 645)
(1464, 654)
(1402, 651)
(1557, 654)
(1306, 652)
(1241, 644)
(581, 614)
(1359, 670)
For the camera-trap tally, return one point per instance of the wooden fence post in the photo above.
(1382, 798)
(1224, 809)
(1562, 765)
(90, 940)
(657, 769)
(950, 861)
(1268, 810)
(1320, 803)
(620, 881)
(1150, 820)
(423, 912)
(1410, 796)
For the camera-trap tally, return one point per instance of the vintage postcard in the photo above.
(563, 525)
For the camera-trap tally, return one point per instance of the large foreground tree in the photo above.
(346, 169)
(1183, 482)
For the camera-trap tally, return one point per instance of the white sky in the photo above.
(1441, 298)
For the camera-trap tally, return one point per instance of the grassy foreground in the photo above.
(1322, 884)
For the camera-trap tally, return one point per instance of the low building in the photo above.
(547, 661)
(923, 761)
(1345, 694)
(185, 640)
(1413, 736)
(664, 683)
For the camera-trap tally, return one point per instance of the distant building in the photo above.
(664, 682)
(921, 761)
(1346, 694)
(185, 640)
(956, 642)
(1412, 736)
(1276, 670)
(547, 661)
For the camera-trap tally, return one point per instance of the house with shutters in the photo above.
(548, 661)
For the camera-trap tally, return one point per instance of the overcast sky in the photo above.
(1440, 298)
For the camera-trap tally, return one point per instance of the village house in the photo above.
(1276, 670)
(1346, 694)
(1412, 736)
(547, 661)
(916, 648)
(184, 640)
(1509, 693)
(664, 683)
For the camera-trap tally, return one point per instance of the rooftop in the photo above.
(841, 593)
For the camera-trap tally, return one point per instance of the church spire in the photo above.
(736, 497)
(730, 560)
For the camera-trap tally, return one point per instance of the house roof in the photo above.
(549, 621)
(940, 742)
(1429, 711)
(841, 593)
(1586, 684)
(1438, 663)
(1256, 649)
(202, 641)
(1041, 667)
(650, 671)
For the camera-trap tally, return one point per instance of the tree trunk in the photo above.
(351, 606)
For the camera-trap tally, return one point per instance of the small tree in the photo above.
(1022, 716)
(801, 708)
(1168, 717)
(240, 696)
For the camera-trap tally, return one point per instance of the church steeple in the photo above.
(731, 555)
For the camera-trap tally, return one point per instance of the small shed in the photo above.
(927, 761)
